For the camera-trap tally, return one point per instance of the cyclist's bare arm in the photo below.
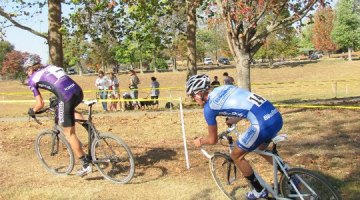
(211, 138)
(39, 103)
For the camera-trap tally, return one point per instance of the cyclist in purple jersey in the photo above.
(236, 104)
(69, 95)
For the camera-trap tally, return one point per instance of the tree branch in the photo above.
(285, 22)
(16, 24)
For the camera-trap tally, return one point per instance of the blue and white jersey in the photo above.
(231, 101)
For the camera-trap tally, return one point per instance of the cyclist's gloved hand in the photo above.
(31, 112)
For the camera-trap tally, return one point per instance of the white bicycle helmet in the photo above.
(30, 61)
(200, 82)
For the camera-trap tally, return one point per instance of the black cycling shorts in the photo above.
(66, 110)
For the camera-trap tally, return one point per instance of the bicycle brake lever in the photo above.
(37, 121)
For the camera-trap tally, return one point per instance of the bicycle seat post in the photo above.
(90, 113)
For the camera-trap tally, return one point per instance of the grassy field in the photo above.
(322, 140)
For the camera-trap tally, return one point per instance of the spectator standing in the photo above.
(102, 83)
(114, 92)
(228, 80)
(155, 93)
(134, 81)
(215, 83)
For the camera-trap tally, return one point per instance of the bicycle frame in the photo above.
(90, 128)
(276, 161)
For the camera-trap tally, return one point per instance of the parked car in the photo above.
(71, 71)
(224, 61)
(208, 61)
(90, 71)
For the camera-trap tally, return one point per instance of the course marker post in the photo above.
(184, 135)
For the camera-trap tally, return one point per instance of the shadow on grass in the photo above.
(203, 194)
(147, 164)
(350, 186)
(335, 183)
(155, 155)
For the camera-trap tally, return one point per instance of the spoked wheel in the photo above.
(54, 152)
(307, 185)
(227, 178)
(113, 158)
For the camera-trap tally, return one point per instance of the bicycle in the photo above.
(294, 183)
(109, 153)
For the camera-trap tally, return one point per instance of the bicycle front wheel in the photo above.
(226, 176)
(113, 158)
(307, 185)
(54, 152)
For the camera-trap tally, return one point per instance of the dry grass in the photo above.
(322, 140)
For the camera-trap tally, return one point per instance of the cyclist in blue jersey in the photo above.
(236, 104)
(69, 95)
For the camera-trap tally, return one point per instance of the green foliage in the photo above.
(5, 47)
(208, 41)
(305, 38)
(281, 44)
(160, 64)
(346, 32)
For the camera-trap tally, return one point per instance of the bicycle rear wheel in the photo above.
(310, 185)
(54, 152)
(113, 158)
(226, 176)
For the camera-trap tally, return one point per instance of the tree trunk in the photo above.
(80, 68)
(173, 60)
(349, 54)
(55, 37)
(141, 63)
(191, 37)
(242, 61)
(154, 61)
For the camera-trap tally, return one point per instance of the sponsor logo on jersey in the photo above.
(61, 112)
(69, 87)
(41, 85)
(223, 95)
(269, 115)
(248, 136)
(224, 113)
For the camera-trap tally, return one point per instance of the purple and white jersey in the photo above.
(231, 101)
(55, 80)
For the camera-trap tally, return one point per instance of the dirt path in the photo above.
(325, 141)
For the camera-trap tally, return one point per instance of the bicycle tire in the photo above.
(54, 152)
(226, 176)
(113, 158)
(316, 183)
